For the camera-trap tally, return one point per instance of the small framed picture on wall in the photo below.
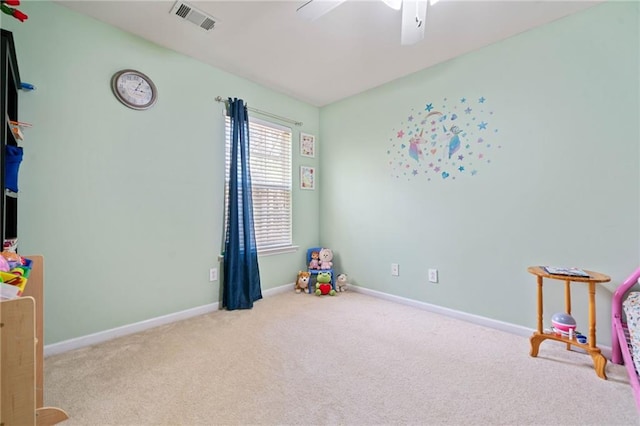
(307, 177)
(307, 145)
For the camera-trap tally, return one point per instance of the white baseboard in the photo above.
(464, 316)
(103, 336)
(278, 290)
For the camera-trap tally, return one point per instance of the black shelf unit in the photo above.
(11, 85)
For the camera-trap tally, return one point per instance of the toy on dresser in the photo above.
(14, 272)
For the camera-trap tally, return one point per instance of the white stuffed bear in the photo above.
(326, 257)
(342, 282)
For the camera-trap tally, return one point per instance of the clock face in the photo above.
(134, 89)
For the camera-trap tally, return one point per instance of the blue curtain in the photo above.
(241, 282)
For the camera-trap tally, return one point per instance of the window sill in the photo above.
(278, 250)
(269, 252)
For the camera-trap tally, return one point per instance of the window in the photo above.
(270, 165)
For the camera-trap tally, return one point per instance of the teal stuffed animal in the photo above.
(323, 284)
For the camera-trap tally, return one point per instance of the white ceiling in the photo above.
(353, 48)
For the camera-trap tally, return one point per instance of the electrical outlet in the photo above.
(213, 274)
(395, 269)
(433, 275)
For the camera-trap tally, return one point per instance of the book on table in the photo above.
(571, 272)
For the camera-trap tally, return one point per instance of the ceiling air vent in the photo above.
(193, 15)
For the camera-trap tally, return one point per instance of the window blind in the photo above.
(270, 166)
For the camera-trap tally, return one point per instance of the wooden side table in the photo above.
(599, 361)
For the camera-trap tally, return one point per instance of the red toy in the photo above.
(11, 11)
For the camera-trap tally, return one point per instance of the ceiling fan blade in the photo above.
(313, 9)
(414, 17)
(393, 4)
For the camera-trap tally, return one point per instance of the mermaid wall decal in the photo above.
(446, 140)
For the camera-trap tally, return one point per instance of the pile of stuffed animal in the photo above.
(321, 261)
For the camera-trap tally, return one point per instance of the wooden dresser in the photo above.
(22, 356)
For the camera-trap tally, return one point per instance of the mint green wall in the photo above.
(127, 206)
(563, 188)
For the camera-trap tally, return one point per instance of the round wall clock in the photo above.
(134, 89)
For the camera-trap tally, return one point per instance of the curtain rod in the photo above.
(265, 113)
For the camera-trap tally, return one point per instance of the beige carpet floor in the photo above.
(351, 359)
